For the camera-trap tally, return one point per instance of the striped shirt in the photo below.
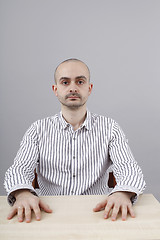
(71, 162)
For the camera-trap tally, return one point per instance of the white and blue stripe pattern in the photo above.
(72, 162)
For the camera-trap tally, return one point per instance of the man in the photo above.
(73, 153)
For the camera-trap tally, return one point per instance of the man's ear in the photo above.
(90, 88)
(54, 87)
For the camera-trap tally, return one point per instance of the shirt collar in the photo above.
(87, 122)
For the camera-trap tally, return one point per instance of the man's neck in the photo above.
(75, 117)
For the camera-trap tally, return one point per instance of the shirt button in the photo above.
(73, 157)
(74, 175)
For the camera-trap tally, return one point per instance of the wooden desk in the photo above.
(73, 218)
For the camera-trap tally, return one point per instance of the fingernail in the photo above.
(105, 216)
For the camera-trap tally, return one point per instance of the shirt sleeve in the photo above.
(128, 174)
(21, 174)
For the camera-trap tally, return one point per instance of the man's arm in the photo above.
(21, 174)
(25, 203)
(128, 175)
(19, 178)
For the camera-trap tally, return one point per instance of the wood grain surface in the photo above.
(73, 219)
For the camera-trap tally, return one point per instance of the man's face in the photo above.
(72, 84)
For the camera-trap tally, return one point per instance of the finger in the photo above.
(12, 213)
(124, 212)
(20, 213)
(100, 206)
(37, 212)
(28, 214)
(45, 207)
(108, 209)
(131, 211)
(115, 212)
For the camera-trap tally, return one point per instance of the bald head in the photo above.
(69, 66)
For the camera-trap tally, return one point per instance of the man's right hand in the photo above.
(25, 203)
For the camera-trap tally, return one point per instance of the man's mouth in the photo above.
(73, 96)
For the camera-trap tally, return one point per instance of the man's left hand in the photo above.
(118, 201)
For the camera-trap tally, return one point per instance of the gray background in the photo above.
(120, 42)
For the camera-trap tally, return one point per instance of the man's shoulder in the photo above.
(105, 124)
(102, 118)
(47, 120)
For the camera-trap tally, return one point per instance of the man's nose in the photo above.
(73, 87)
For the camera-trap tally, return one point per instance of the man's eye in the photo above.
(64, 82)
(80, 82)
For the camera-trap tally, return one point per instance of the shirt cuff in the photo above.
(11, 198)
(126, 188)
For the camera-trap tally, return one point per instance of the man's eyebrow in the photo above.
(79, 77)
(64, 78)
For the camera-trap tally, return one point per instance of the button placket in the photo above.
(73, 174)
(74, 153)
